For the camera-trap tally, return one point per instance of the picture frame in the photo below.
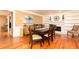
(28, 19)
(56, 18)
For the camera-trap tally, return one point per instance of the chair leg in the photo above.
(48, 42)
(40, 43)
(54, 35)
(72, 35)
(51, 37)
(31, 44)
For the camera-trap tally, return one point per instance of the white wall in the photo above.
(58, 23)
(70, 18)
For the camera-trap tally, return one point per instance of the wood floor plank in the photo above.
(59, 42)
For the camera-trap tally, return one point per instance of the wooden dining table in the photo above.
(41, 31)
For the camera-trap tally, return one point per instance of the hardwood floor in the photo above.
(60, 42)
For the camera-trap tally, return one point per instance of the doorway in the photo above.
(5, 24)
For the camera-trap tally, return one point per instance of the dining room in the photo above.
(44, 29)
(48, 27)
(39, 29)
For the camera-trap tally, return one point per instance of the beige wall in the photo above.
(20, 16)
(3, 21)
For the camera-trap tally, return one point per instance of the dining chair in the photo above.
(73, 31)
(53, 27)
(36, 26)
(78, 32)
(50, 34)
(35, 38)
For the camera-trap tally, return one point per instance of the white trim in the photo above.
(30, 12)
(16, 29)
(13, 23)
(8, 23)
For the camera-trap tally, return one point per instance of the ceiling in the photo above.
(45, 12)
(4, 12)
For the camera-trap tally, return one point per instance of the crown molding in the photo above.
(30, 12)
